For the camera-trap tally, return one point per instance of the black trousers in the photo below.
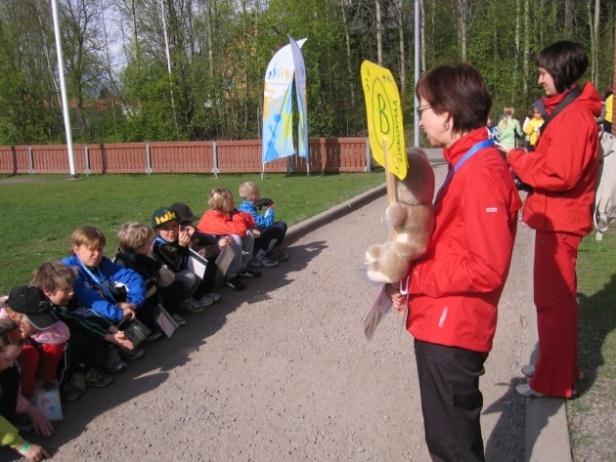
(451, 401)
(271, 237)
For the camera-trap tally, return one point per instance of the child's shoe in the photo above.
(179, 320)
(277, 254)
(191, 305)
(131, 355)
(263, 259)
(96, 379)
(69, 392)
(235, 283)
(155, 335)
(206, 301)
(113, 363)
(249, 273)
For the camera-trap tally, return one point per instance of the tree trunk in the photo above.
(462, 13)
(595, 54)
(516, 52)
(423, 35)
(569, 16)
(402, 54)
(525, 64)
(347, 39)
(379, 33)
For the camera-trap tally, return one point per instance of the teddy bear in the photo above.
(411, 218)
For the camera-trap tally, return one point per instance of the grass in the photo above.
(592, 416)
(41, 211)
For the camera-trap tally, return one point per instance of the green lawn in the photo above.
(41, 211)
(592, 416)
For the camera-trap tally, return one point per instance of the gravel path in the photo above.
(283, 372)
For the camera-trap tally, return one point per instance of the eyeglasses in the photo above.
(420, 109)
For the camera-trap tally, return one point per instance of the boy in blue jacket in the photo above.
(267, 246)
(114, 292)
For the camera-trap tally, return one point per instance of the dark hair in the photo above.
(460, 90)
(565, 61)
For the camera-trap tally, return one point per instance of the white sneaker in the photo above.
(524, 389)
(528, 370)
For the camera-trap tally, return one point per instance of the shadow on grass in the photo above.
(163, 356)
(597, 320)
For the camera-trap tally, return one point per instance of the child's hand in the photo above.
(128, 309)
(120, 339)
(256, 232)
(41, 424)
(35, 453)
(184, 238)
(224, 242)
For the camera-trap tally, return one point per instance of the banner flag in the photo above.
(277, 137)
(300, 93)
(384, 114)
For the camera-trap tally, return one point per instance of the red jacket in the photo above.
(563, 168)
(215, 222)
(455, 288)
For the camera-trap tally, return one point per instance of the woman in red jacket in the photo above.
(563, 174)
(454, 290)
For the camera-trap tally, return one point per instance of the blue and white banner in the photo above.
(300, 93)
(277, 105)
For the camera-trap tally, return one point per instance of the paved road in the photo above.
(283, 372)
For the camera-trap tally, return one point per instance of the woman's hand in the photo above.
(41, 424)
(398, 300)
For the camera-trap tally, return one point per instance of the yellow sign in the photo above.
(384, 112)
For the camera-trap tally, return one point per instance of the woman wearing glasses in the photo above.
(454, 290)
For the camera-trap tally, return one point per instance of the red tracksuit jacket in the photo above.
(563, 168)
(215, 222)
(455, 288)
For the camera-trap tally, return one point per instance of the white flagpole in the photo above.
(67, 119)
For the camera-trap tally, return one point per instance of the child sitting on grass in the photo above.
(89, 332)
(267, 245)
(9, 384)
(112, 291)
(223, 220)
(172, 248)
(135, 241)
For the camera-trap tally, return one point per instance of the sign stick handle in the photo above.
(389, 177)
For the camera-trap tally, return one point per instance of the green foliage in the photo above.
(45, 209)
(219, 51)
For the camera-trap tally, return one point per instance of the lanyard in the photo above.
(470, 153)
(98, 282)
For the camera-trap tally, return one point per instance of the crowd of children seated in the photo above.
(84, 318)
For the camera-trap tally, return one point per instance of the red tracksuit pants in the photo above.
(555, 287)
(38, 361)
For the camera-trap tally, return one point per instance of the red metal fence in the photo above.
(326, 155)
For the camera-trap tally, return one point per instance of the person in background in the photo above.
(454, 289)
(562, 172)
(608, 113)
(509, 129)
(533, 128)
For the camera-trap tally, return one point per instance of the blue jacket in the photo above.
(261, 221)
(89, 294)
